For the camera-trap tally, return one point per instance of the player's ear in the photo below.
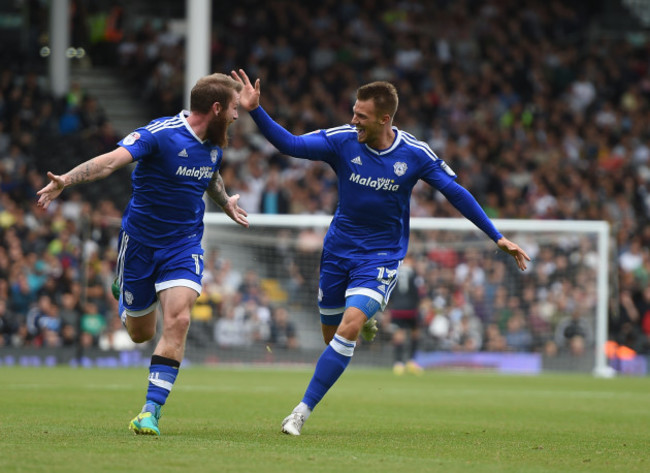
(216, 108)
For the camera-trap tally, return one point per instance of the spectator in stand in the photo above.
(403, 310)
(283, 330)
(230, 330)
(631, 257)
(466, 334)
(518, 337)
(574, 333)
(8, 325)
(494, 341)
(44, 323)
(274, 199)
(93, 323)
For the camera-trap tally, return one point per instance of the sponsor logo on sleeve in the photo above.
(131, 138)
(445, 167)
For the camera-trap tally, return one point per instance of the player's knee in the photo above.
(141, 334)
(181, 322)
(350, 327)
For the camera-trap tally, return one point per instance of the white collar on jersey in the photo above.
(396, 141)
(183, 116)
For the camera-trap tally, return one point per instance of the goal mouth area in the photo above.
(273, 241)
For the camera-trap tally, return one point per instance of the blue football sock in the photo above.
(162, 374)
(329, 367)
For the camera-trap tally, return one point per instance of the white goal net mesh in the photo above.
(475, 307)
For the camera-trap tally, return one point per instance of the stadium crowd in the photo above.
(538, 117)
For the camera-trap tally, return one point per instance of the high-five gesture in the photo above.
(249, 97)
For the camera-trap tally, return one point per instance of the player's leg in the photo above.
(176, 303)
(137, 300)
(332, 362)
(398, 340)
(362, 301)
(179, 287)
(332, 284)
(414, 340)
(137, 305)
(331, 303)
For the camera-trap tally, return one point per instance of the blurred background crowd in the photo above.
(542, 112)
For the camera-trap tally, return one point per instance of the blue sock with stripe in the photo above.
(162, 374)
(329, 368)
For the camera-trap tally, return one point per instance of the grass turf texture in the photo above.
(228, 420)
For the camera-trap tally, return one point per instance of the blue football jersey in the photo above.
(372, 217)
(173, 170)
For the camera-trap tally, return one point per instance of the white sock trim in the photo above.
(342, 346)
(303, 409)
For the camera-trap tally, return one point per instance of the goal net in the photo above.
(476, 309)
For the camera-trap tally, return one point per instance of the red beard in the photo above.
(218, 131)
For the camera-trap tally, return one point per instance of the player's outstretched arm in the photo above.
(515, 251)
(217, 192)
(467, 205)
(96, 168)
(312, 146)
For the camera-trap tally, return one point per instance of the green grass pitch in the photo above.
(228, 420)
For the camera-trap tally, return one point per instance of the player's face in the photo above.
(231, 112)
(366, 121)
(218, 127)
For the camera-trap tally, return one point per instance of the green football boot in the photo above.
(146, 423)
(115, 289)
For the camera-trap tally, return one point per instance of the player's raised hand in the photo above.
(249, 97)
(51, 191)
(235, 212)
(515, 251)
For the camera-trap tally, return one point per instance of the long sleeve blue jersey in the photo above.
(373, 213)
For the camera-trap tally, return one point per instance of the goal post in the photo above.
(270, 238)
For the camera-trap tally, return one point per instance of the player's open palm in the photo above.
(51, 191)
(249, 97)
(235, 212)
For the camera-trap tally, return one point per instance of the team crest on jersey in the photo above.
(399, 168)
(128, 297)
(214, 154)
(132, 138)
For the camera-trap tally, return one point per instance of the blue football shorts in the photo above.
(143, 271)
(341, 278)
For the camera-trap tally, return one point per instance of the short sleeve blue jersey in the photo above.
(372, 218)
(173, 171)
